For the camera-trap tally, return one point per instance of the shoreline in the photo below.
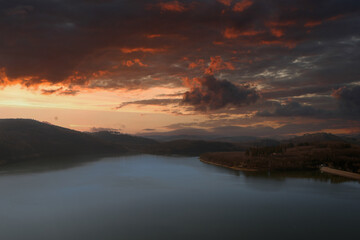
(351, 175)
(341, 173)
(233, 168)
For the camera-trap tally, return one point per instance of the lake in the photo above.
(160, 197)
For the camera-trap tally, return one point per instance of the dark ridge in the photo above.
(316, 137)
(237, 139)
(24, 138)
(132, 143)
(167, 138)
(193, 147)
(266, 142)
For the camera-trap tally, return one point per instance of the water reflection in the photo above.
(279, 176)
(48, 164)
(315, 175)
(62, 163)
(159, 197)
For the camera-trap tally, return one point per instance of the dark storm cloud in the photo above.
(286, 92)
(153, 102)
(50, 91)
(288, 49)
(85, 42)
(171, 95)
(59, 91)
(349, 100)
(294, 109)
(100, 129)
(208, 93)
(69, 92)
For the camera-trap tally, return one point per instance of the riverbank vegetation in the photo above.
(301, 156)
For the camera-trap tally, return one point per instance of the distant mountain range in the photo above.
(129, 142)
(22, 139)
(193, 147)
(237, 139)
(316, 137)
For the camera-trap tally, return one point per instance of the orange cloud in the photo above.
(241, 6)
(192, 65)
(250, 33)
(231, 33)
(280, 24)
(335, 17)
(34, 83)
(337, 92)
(288, 44)
(4, 80)
(277, 32)
(198, 63)
(141, 49)
(312, 23)
(130, 63)
(100, 73)
(225, 2)
(187, 82)
(174, 6)
(60, 91)
(27, 81)
(218, 64)
(218, 43)
(153, 35)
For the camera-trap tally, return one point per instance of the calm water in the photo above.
(155, 197)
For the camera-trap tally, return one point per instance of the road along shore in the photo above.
(340, 173)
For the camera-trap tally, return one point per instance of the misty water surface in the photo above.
(157, 197)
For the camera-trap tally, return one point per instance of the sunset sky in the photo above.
(226, 67)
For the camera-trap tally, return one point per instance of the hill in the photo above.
(316, 137)
(23, 138)
(131, 143)
(192, 147)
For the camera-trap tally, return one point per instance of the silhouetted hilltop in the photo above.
(266, 142)
(237, 139)
(316, 137)
(248, 141)
(189, 147)
(132, 143)
(193, 147)
(168, 138)
(24, 138)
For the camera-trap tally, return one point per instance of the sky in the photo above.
(226, 67)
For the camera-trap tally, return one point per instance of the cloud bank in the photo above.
(303, 54)
(208, 93)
